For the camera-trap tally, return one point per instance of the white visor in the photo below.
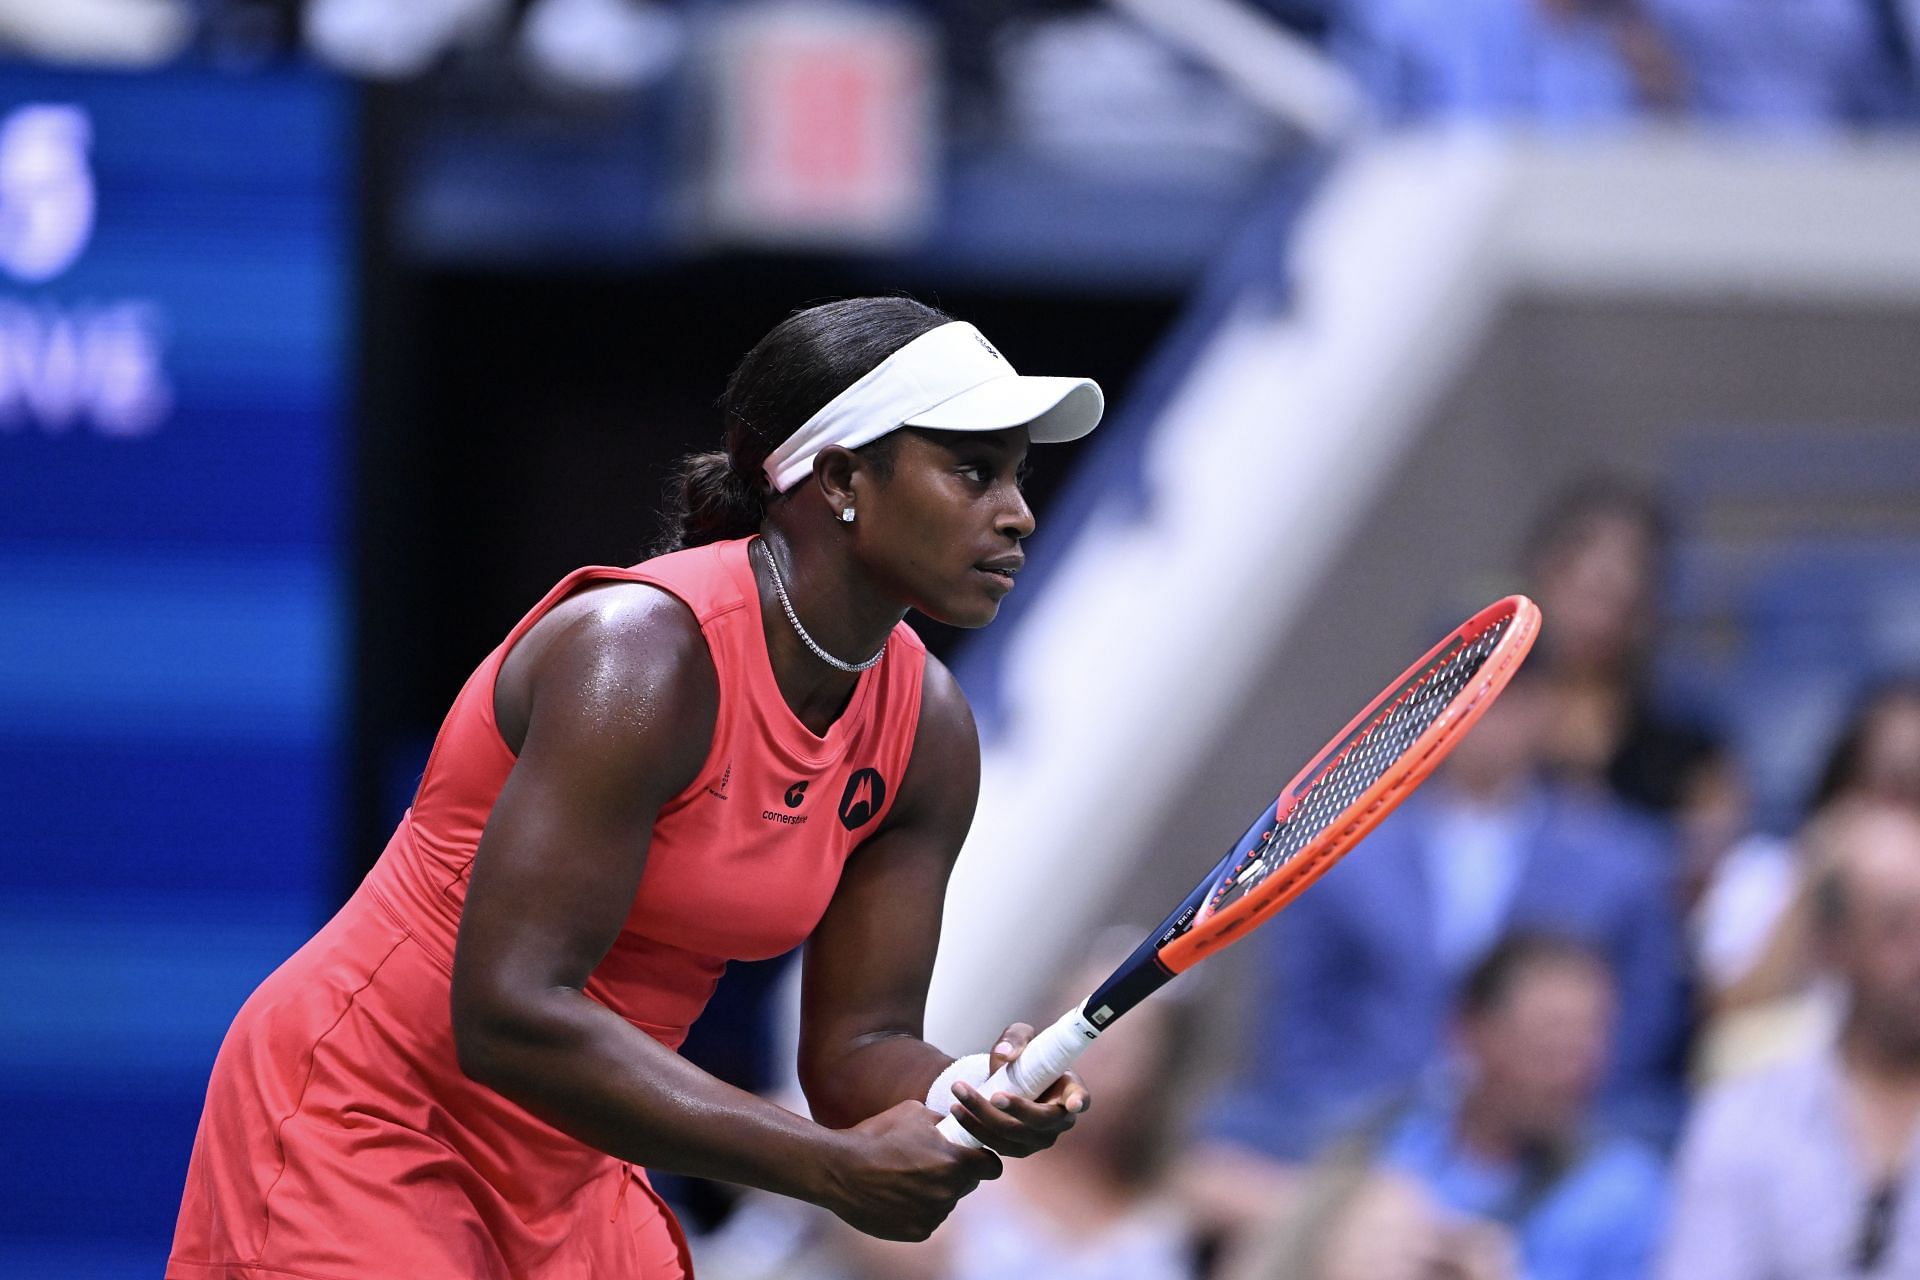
(947, 379)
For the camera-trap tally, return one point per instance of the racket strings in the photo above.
(1365, 757)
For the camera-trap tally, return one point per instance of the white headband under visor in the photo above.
(947, 379)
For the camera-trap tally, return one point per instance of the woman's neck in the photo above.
(843, 613)
(826, 602)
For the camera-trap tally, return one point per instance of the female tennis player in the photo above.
(719, 753)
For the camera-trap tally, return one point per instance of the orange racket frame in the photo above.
(1208, 920)
(1212, 930)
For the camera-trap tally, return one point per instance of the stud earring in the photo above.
(846, 515)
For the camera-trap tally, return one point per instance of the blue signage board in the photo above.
(176, 309)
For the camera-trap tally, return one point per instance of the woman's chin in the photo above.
(969, 617)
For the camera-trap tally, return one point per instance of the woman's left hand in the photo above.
(1010, 1124)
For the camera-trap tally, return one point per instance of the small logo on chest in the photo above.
(795, 794)
(719, 792)
(866, 792)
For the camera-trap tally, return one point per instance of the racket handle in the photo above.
(1044, 1060)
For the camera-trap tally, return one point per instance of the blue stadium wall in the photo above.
(176, 294)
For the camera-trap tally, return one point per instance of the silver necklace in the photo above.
(780, 589)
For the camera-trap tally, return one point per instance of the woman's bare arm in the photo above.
(870, 960)
(619, 699)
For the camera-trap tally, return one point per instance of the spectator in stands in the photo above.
(1593, 566)
(1878, 754)
(1355, 1222)
(1358, 977)
(1558, 62)
(1812, 1168)
(1812, 64)
(1509, 1136)
(1754, 932)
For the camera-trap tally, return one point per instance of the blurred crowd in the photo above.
(1810, 64)
(1805, 65)
(1565, 1016)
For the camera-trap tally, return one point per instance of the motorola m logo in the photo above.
(96, 366)
(866, 792)
(46, 190)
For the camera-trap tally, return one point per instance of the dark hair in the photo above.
(1841, 772)
(790, 375)
(1490, 982)
(1569, 516)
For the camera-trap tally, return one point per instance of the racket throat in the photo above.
(1141, 976)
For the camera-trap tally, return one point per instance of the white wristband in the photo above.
(974, 1069)
(1044, 1060)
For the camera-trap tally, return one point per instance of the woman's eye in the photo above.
(976, 474)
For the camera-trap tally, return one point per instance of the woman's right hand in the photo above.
(895, 1177)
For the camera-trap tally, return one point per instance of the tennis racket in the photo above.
(1368, 768)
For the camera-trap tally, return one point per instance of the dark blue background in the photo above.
(173, 647)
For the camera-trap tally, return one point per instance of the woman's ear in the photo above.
(837, 477)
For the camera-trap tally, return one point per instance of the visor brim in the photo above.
(1051, 409)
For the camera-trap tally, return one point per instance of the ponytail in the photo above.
(707, 500)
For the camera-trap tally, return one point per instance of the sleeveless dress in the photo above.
(340, 1140)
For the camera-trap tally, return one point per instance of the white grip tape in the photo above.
(1045, 1059)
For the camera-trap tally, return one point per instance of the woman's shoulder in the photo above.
(616, 615)
(712, 578)
(622, 652)
(944, 708)
(943, 767)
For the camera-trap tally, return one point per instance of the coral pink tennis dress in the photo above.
(340, 1139)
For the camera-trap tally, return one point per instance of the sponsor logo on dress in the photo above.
(866, 792)
(793, 796)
